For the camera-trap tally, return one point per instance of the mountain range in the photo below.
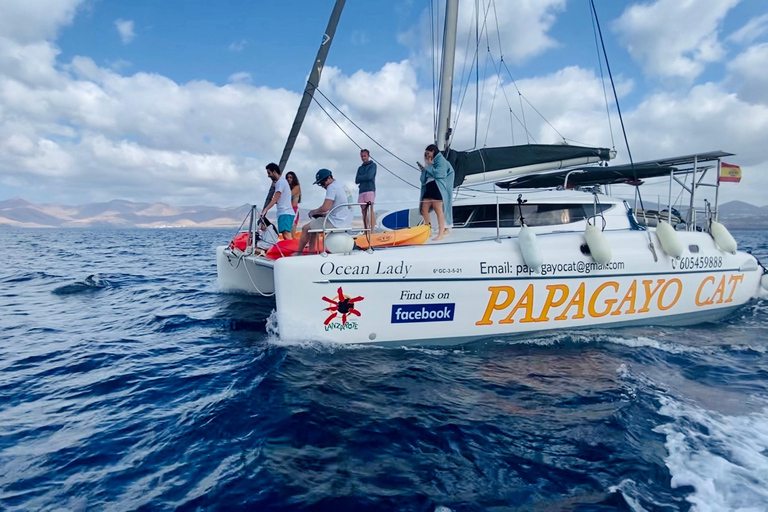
(18, 212)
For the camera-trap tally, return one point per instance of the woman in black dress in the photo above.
(431, 197)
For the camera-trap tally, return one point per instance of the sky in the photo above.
(185, 102)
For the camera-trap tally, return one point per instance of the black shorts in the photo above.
(431, 191)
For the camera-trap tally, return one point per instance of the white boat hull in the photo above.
(249, 274)
(454, 293)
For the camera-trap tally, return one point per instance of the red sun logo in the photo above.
(344, 305)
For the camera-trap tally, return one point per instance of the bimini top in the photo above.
(626, 173)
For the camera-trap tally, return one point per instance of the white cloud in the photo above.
(119, 64)
(523, 28)
(79, 132)
(242, 77)
(707, 117)
(750, 73)
(126, 30)
(663, 37)
(753, 29)
(238, 46)
(32, 21)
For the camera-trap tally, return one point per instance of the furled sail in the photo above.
(494, 164)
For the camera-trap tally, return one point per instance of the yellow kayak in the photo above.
(407, 236)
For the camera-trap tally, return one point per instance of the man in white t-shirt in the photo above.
(335, 195)
(281, 198)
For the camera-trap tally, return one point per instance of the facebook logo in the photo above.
(410, 313)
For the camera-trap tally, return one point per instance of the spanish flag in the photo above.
(729, 172)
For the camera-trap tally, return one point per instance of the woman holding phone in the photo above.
(437, 189)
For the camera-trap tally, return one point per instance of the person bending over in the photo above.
(281, 198)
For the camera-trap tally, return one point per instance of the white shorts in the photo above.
(317, 223)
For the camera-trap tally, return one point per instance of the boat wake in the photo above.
(722, 457)
(597, 337)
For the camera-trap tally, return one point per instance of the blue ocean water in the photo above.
(128, 382)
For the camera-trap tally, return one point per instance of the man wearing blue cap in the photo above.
(335, 195)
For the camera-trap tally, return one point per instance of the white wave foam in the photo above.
(272, 327)
(628, 489)
(722, 457)
(597, 337)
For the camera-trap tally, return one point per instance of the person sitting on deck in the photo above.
(266, 237)
(335, 195)
(437, 190)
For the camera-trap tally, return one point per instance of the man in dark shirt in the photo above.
(366, 182)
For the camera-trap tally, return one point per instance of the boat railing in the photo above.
(325, 230)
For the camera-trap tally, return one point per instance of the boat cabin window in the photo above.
(484, 216)
(461, 215)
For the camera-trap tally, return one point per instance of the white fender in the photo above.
(723, 238)
(669, 240)
(529, 246)
(339, 243)
(764, 282)
(598, 244)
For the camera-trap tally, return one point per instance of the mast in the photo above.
(446, 79)
(312, 83)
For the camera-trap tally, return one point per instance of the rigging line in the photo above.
(576, 141)
(506, 98)
(522, 97)
(602, 82)
(490, 114)
(363, 131)
(509, 104)
(475, 58)
(485, 77)
(512, 114)
(498, 72)
(358, 145)
(464, 66)
(501, 50)
(498, 32)
(520, 94)
(461, 104)
(485, 66)
(616, 98)
(522, 111)
(511, 124)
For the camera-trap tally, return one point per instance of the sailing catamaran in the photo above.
(521, 259)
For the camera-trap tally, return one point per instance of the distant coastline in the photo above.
(20, 213)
